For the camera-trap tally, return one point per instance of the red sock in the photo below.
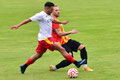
(29, 62)
(70, 58)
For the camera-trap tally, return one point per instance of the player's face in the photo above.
(56, 11)
(50, 10)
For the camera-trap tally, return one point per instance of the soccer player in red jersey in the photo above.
(70, 45)
(45, 40)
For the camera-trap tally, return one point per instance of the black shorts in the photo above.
(71, 45)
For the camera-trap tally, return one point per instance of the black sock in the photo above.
(63, 64)
(75, 62)
(25, 66)
(83, 54)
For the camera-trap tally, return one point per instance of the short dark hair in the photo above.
(49, 4)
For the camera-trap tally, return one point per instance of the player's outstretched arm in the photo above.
(60, 22)
(20, 24)
(65, 33)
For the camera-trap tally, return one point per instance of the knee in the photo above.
(81, 47)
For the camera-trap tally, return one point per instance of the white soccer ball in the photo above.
(73, 73)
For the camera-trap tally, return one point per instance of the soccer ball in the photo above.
(73, 73)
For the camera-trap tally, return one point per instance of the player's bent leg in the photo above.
(67, 56)
(84, 56)
(36, 56)
(58, 47)
(31, 60)
(81, 47)
(83, 52)
(62, 64)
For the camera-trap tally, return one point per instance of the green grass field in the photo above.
(98, 23)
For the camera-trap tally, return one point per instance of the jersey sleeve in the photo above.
(55, 26)
(36, 17)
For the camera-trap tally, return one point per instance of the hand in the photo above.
(15, 26)
(65, 22)
(73, 31)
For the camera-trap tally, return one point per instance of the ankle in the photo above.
(84, 65)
